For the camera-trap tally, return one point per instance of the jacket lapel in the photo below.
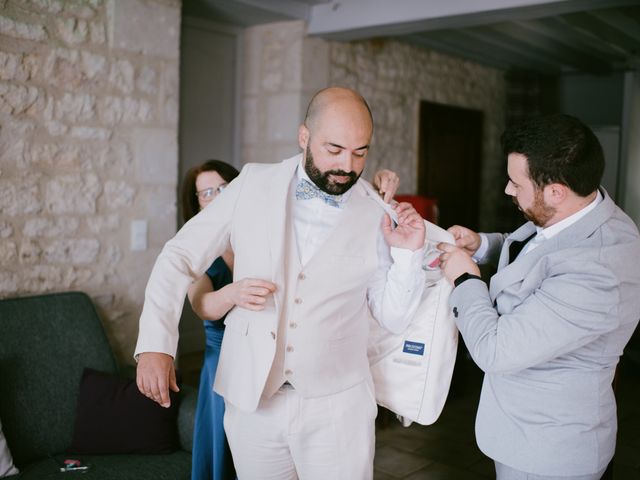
(278, 212)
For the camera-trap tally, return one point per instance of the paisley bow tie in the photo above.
(306, 190)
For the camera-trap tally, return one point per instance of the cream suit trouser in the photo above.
(290, 437)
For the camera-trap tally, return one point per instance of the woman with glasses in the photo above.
(211, 297)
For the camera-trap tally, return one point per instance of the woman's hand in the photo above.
(249, 293)
(386, 182)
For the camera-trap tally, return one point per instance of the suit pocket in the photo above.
(237, 324)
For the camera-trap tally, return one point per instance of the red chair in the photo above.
(426, 207)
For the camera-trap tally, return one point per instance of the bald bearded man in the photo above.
(294, 371)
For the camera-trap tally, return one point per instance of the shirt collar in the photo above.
(556, 228)
(301, 174)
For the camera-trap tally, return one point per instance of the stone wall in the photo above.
(88, 143)
(395, 77)
(282, 69)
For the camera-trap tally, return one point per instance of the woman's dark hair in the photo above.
(190, 205)
(559, 149)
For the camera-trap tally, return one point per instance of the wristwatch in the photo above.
(464, 277)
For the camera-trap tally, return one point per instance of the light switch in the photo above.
(138, 235)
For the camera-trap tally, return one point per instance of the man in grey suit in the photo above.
(551, 326)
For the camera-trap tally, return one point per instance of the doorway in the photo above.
(450, 161)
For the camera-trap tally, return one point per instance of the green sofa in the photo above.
(45, 343)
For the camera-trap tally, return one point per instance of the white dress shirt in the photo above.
(395, 290)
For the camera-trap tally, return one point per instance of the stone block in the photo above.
(118, 194)
(62, 68)
(6, 230)
(156, 155)
(147, 81)
(72, 31)
(121, 76)
(97, 33)
(76, 251)
(25, 31)
(8, 283)
(72, 193)
(250, 116)
(91, 133)
(29, 253)
(17, 99)
(19, 197)
(315, 64)
(80, 9)
(56, 129)
(75, 108)
(44, 278)
(47, 6)
(50, 227)
(14, 153)
(100, 224)
(283, 116)
(144, 27)
(171, 111)
(93, 65)
(8, 252)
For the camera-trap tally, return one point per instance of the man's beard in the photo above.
(539, 213)
(322, 180)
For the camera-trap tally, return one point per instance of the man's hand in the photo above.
(466, 239)
(410, 231)
(455, 261)
(249, 293)
(155, 375)
(386, 183)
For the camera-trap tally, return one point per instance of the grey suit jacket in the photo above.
(548, 334)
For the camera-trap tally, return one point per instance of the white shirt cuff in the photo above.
(482, 249)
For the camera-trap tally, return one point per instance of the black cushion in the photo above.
(114, 417)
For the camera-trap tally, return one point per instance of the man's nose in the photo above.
(508, 190)
(346, 162)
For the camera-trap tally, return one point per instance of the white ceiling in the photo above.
(543, 36)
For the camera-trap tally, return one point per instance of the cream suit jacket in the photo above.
(328, 300)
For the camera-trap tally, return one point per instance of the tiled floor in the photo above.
(447, 450)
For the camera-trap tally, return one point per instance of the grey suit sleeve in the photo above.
(567, 310)
(495, 241)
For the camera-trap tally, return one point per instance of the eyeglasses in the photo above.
(210, 193)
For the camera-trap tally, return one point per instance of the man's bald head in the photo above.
(329, 99)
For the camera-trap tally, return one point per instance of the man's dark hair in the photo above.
(559, 149)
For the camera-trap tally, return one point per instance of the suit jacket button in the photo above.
(455, 312)
(297, 301)
(302, 276)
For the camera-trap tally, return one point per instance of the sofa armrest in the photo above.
(186, 416)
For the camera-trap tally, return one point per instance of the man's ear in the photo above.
(555, 193)
(303, 137)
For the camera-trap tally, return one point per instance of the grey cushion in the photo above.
(175, 466)
(47, 341)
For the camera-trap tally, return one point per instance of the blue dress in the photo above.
(211, 458)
